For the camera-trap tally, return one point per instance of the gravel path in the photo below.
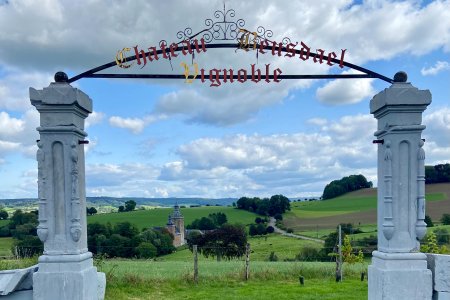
(283, 232)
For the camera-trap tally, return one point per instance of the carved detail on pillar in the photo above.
(421, 226)
(42, 229)
(388, 225)
(75, 228)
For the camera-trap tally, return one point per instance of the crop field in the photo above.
(315, 218)
(158, 216)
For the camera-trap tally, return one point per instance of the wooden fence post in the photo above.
(247, 261)
(195, 264)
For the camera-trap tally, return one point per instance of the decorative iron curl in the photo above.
(221, 27)
(286, 41)
(263, 33)
(185, 34)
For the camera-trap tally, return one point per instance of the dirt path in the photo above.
(282, 232)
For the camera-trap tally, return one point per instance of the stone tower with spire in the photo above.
(175, 225)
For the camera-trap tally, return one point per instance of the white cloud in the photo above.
(317, 121)
(94, 118)
(135, 125)
(437, 68)
(344, 91)
(10, 126)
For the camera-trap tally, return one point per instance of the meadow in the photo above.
(158, 216)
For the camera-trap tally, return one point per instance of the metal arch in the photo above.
(224, 29)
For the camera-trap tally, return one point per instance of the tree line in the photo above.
(276, 205)
(211, 222)
(344, 185)
(437, 174)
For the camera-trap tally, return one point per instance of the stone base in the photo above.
(441, 295)
(399, 276)
(68, 277)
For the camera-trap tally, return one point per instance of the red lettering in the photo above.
(155, 55)
(319, 53)
(303, 50)
(331, 56)
(280, 46)
(341, 62)
(140, 53)
(290, 49)
(225, 75)
(214, 78)
(203, 48)
(173, 48)
(276, 72)
(258, 71)
(262, 45)
(242, 78)
(163, 49)
(202, 75)
(267, 73)
(188, 45)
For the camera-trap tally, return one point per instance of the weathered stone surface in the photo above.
(20, 295)
(439, 265)
(398, 271)
(16, 280)
(441, 295)
(101, 285)
(399, 277)
(65, 270)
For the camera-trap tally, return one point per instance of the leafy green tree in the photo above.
(347, 253)
(428, 221)
(91, 211)
(445, 219)
(252, 230)
(146, 250)
(3, 214)
(125, 229)
(130, 205)
(228, 241)
(270, 229)
(261, 229)
(345, 185)
(258, 220)
(218, 218)
(121, 208)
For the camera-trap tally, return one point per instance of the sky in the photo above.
(168, 138)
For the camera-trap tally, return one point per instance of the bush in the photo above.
(273, 256)
(428, 221)
(445, 219)
(308, 253)
(278, 217)
(290, 230)
(146, 250)
(270, 229)
(442, 237)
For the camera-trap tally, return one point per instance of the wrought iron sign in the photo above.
(224, 31)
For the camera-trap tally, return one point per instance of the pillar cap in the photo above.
(60, 93)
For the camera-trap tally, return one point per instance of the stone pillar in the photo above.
(66, 268)
(399, 271)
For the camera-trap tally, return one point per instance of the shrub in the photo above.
(445, 219)
(428, 221)
(442, 237)
(273, 256)
(146, 250)
(290, 230)
(308, 253)
(270, 229)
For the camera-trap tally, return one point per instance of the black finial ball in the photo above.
(400, 77)
(61, 77)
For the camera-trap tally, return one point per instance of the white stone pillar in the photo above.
(66, 268)
(399, 271)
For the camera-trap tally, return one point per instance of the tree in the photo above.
(442, 236)
(345, 185)
(146, 250)
(347, 253)
(91, 211)
(252, 230)
(130, 205)
(3, 214)
(121, 208)
(228, 241)
(445, 219)
(218, 218)
(270, 229)
(258, 220)
(261, 229)
(428, 221)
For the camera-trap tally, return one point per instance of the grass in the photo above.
(3, 222)
(158, 216)
(5, 246)
(261, 247)
(223, 280)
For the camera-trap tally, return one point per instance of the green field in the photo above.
(5, 246)
(261, 247)
(158, 216)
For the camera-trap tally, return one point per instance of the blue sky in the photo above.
(156, 138)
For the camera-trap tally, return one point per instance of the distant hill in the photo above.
(358, 207)
(113, 201)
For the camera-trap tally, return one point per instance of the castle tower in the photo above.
(175, 225)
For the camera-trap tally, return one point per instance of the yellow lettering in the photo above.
(121, 59)
(187, 72)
